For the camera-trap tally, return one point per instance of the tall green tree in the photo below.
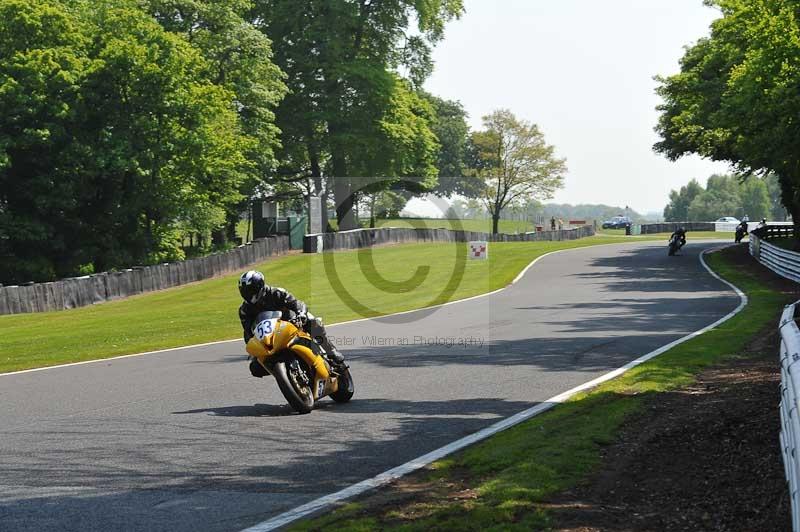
(42, 65)
(721, 197)
(239, 58)
(339, 57)
(450, 126)
(755, 199)
(777, 211)
(515, 162)
(736, 96)
(677, 210)
(112, 133)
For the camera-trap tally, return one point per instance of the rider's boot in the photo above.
(316, 329)
(334, 354)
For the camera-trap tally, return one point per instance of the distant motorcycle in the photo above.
(674, 245)
(741, 231)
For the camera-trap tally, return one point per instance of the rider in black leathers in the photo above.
(681, 232)
(259, 297)
(741, 231)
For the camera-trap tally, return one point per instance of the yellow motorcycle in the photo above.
(296, 361)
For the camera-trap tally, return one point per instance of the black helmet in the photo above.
(252, 286)
(763, 220)
(682, 229)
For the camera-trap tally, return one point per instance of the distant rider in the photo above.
(681, 234)
(743, 226)
(741, 230)
(259, 297)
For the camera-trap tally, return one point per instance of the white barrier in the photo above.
(730, 227)
(790, 415)
(782, 261)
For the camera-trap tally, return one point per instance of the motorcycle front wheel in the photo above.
(346, 388)
(295, 384)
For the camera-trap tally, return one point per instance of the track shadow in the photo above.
(649, 269)
(110, 457)
(356, 406)
(257, 410)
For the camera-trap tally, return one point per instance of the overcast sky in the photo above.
(583, 71)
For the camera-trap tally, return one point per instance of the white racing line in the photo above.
(326, 502)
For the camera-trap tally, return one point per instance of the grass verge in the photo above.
(496, 484)
(207, 311)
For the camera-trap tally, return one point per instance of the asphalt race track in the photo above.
(187, 440)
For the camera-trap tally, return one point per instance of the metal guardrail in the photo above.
(790, 413)
(782, 261)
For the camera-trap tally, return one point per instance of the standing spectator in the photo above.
(560, 224)
(553, 223)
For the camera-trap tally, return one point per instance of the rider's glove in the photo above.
(300, 319)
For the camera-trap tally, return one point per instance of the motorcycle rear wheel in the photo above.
(298, 394)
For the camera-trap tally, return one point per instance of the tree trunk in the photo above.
(342, 194)
(342, 187)
(327, 227)
(794, 210)
(219, 237)
(495, 222)
(233, 222)
(790, 197)
(249, 223)
(316, 176)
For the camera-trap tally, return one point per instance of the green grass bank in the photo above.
(501, 480)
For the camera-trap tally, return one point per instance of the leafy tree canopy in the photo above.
(113, 132)
(450, 126)
(723, 196)
(515, 162)
(339, 57)
(679, 200)
(736, 99)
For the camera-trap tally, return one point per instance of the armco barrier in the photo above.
(781, 261)
(671, 227)
(789, 412)
(82, 291)
(364, 238)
